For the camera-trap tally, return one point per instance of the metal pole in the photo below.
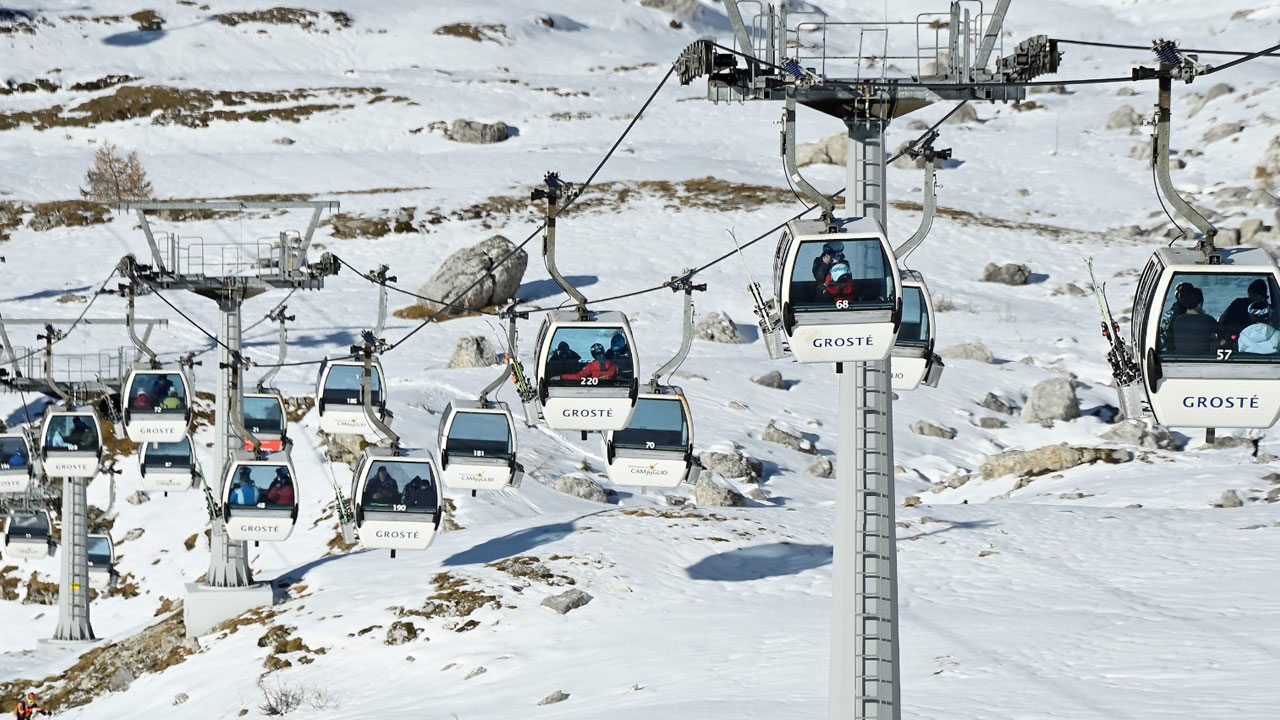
(228, 560)
(864, 672)
(73, 593)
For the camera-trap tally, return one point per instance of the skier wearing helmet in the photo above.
(832, 252)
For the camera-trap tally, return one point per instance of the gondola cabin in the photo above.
(913, 358)
(260, 500)
(338, 398)
(838, 292)
(1208, 337)
(586, 371)
(478, 447)
(655, 449)
(28, 535)
(264, 416)
(167, 467)
(71, 443)
(102, 560)
(17, 467)
(397, 501)
(156, 406)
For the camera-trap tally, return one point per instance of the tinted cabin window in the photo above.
(487, 433)
(408, 487)
(36, 524)
(656, 424)
(263, 415)
(596, 356)
(915, 318)
(13, 453)
(157, 393)
(342, 385)
(169, 455)
(267, 487)
(841, 274)
(72, 433)
(99, 551)
(1220, 317)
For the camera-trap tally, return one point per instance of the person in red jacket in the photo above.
(27, 708)
(600, 367)
(839, 284)
(281, 490)
(141, 401)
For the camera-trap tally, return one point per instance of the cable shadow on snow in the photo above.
(760, 562)
(542, 289)
(516, 542)
(45, 294)
(949, 526)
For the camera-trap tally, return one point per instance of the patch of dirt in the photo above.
(67, 213)
(453, 599)
(476, 32)
(674, 514)
(190, 107)
(99, 19)
(153, 650)
(305, 19)
(148, 20)
(11, 217)
(39, 592)
(19, 22)
(422, 312)
(402, 221)
(966, 217)
(530, 568)
(9, 584)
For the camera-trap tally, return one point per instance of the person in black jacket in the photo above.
(1194, 333)
(1236, 317)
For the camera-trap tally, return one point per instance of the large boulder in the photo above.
(732, 465)
(785, 436)
(680, 8)
(470, 131)
(493, 284)
(1048, 459)
(1052, 399)
(709, 493)
(968, 351)
(716, 327)
(473, 351)
(928, 429)
(570, 599)
(1007, 274)
(772, 379)
(1222, 131)
(965, 115)
(1123, 118)
(580, 486)
(1139, 433)
(827, 151)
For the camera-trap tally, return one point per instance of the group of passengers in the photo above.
(1246, 325)
(162, 395)
(77, 437)
(245, 493)
(383, 490)
(832, 273)
(614, 363)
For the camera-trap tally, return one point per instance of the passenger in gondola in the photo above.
(244, 492)
(1178, 308)
(620, 353)
(17, 459)
(1261, 337)
(420, 493)
(838, 285)
(141, 401)
(56, 439)
(160, 388)
(832, 252)
(382, 488)
(281, 490)
(171, 401)
(1194, 332)
(563, 358)
(600, 367)
(1237, 315)
(82, 435)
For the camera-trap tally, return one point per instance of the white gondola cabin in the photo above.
(656, 448)
(167, 467)
(586, 371)
(28, 535)
(102, 560)
(338, 397)
(157, 405)
(260, 499)
(16, 465)
(397, 501)
(913, 358)
(838, 292)
(265, 417)
(478, 447)
(70, 443)
(1207, 337)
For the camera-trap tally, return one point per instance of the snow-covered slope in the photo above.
(1106, 591)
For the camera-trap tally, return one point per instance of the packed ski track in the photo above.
(1113, 591)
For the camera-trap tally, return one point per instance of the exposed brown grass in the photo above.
(475, 32)
(305, 19)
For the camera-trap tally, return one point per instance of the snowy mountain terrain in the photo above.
(1138, 587)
